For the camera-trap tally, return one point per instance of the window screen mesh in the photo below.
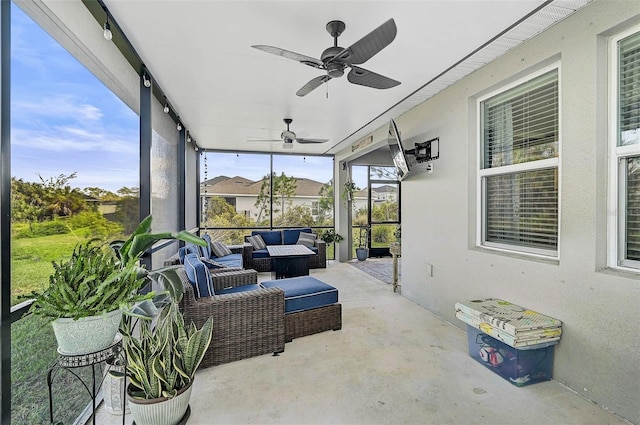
(629, 91)
(521, 124)
(522, 209)
(633, 209)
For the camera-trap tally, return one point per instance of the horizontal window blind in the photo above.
(522, 209)
(521, 124)
(629, 90)
(633, 209)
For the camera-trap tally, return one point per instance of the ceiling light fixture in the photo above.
(166, 107)
(146, 80)
(188, 138)
(179, 126)
(107, 30)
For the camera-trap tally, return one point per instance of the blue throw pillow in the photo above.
(198, 275)
(206, 250)
(188, 249)
(181, 253)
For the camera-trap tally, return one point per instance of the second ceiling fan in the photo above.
(288, 137)
(335, 59)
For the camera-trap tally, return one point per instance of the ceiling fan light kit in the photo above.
(335, 59)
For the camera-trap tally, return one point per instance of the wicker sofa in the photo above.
(260, 260)
(245, 324)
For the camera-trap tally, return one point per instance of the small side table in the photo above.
(395, 251)
(70, 362)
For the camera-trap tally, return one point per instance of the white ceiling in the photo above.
(226, 92)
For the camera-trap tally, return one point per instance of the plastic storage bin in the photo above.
(520, 366)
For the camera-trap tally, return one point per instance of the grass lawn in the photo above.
(33, 352)
(33, 345)
(32, 257)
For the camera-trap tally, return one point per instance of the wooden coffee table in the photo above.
(290, 260)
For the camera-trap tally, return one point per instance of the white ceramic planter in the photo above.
(88, 334)
(160, 411)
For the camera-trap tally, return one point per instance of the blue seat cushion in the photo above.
(290, 236)
(270, 237)
(304, 293)
(231, 260)
(261, 253)
(198, 275)
(236, 289)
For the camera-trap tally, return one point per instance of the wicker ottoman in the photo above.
(311, 306)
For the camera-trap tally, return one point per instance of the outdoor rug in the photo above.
(380, 268)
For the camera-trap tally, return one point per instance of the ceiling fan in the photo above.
(335, 59)
(288, 137)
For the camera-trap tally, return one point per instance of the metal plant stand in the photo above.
(71, 362)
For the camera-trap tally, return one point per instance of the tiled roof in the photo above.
(237, 185)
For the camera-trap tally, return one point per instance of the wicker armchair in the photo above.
(245, 324)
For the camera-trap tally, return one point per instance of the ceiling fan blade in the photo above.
(312, 85)
(368, 78)
(264, 140)
(304, 59)
(303, 141)
(365, 48)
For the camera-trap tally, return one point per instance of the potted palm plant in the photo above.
(163, 358)
(87, 292)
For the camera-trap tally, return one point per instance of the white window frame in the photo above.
(617, 168)
(508, 169)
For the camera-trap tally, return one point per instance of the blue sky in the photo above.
(65, 120)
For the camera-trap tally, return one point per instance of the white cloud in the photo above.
(70, 139)
(57, 107)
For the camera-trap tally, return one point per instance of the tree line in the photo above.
(51, 199)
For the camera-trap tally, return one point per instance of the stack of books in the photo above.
(515, 326)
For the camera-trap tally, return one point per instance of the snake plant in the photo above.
(163, 359)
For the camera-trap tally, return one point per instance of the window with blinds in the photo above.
(629, 91)
(627, 150)
(632, 210)
(521, 124)
(519, 166)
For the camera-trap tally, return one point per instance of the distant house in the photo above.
(386, 193)
(242, 194)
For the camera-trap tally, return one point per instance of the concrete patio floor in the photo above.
(392, 363)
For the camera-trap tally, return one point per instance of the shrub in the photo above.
(47, 228)
(95, 223)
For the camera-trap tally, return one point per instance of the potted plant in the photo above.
(347, 190)
(162, 359)
(87, 292)
(362, 251)
(330, 236)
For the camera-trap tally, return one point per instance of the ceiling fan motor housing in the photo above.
(288, 136)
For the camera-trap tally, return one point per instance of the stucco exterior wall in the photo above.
(599, 353)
